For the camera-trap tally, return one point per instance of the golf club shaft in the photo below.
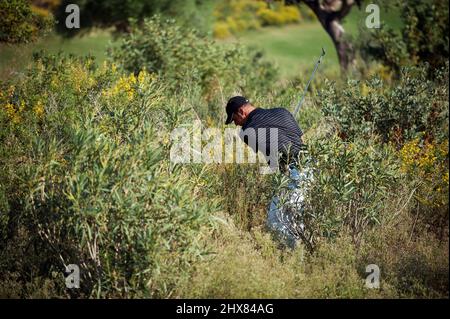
(307, 85)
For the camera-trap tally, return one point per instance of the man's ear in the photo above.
(241, 111)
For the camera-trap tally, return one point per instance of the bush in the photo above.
(238, 182)
(427, 164)
(350, 183)
(250, 14)
(186, 60)
(86, 178)
(396, 113)
(118, 14)
(412, 116)
(238, 15)
(280, 16)
(22, 23)
(270, 17)
(291, 14)
(423, 38)
(243, 265)
(94, 185)
(221, 30)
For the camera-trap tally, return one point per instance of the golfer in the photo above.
(280, 128)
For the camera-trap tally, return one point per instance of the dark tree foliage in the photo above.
(422, 39)
(117, 13)
(19, 23)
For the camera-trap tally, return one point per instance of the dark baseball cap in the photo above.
(233, 105)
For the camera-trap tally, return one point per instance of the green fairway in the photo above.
(297, 47)
(15, 58)
(293, 48)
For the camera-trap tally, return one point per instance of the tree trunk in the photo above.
(344, 48)
(330, 14)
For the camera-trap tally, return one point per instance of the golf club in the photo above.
(307, 85)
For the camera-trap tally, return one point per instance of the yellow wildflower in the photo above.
(12, 113)
(430, 164)
(54, 83)
(364, 90)
(39, 109)
(21, 106)
(142, 76)
(81, 78)
(125, 85)
(409, 153)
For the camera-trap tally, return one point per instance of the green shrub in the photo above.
(118, 14)
(406, 116)
(250, 265)
(236, 267)
(350, 183)
(426, 165)
(94, 185)
(22, 23)
(396, 113)
(423, 38)
(186, 60)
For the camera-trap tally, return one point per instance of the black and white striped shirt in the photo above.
(282, 133)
